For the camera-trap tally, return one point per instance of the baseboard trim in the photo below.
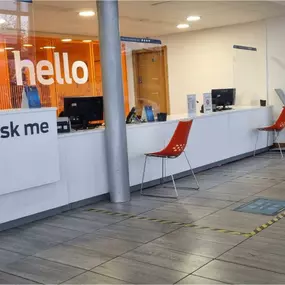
(52, 212)
(104, 197)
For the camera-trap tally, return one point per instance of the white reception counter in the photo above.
(214, 138)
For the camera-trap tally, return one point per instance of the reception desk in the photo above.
(214, 139)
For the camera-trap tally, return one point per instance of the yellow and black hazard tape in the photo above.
(168, 222)
(268, 224)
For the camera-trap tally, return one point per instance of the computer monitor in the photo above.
(223, 97)
(82, 110)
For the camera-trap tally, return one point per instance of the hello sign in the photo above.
(45, 68)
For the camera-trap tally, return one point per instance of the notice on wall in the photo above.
(28, 149)
(191, 102)
(207, 101)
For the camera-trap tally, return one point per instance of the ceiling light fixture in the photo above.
(27, 45)
(193, 18)
(8, 48)
(2, 21)
(87, 13)
(48, 47)
(87, 41)
(182, 26)
(66, 40)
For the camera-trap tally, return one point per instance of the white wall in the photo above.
(276, 60)
(203, 60)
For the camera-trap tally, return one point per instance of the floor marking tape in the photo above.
(168, 222)
(268, 224)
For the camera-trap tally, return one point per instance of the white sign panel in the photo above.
(28, 149)
(207, 101)
(191, 102)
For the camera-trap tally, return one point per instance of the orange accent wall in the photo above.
(52, 95)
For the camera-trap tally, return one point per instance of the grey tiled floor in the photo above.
(86, 247)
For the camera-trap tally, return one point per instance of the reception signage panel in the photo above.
(28, 149)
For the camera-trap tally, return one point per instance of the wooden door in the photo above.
(151, 84)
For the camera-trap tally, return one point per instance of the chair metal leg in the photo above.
(197, 183)
(163, 175)
(174, 185)
(145, 160)
(256, 143)
(276, 137)
(162, 171)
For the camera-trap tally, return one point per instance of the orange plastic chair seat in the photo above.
(177, 143)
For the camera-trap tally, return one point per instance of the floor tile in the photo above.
(238, 188)
(50, 233)
(265, 244)
(255, 258)
(149, 225)
(183, 217)
(168, 191)
(41, 271)
(6, 278)
(128, 233)
(192, 279)
(264, 183)
(206, 234)
(220, 196)
(239, 274)
(75, 256)
(93, 278)
(7, 257)
(127, 207)
(194, 211)
(194, 246)
(72, 223)
(104, 244)
(167, 258)
(220, 204)
(100, 218)
(138, 272)
(231, 220)
(17, 241)
(276, 192)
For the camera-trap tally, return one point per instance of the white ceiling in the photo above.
(150, 18)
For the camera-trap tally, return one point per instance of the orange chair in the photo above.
(175, 148)
(277, 127)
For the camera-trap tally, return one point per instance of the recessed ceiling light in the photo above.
(66, 40)
(48, 47)
(87, 41)
(2, 21)
(27, 45)
(9, 48)
(182, 26)
(87, 13)
(193, 18)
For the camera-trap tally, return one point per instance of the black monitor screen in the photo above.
(84, 108)
(224, 97)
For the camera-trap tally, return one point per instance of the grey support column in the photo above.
(114, 111)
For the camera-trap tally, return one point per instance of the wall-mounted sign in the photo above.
(191, 102)
(29, 149)
(245, 48)
(207, 101)
(45, 68)
(140, 40)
